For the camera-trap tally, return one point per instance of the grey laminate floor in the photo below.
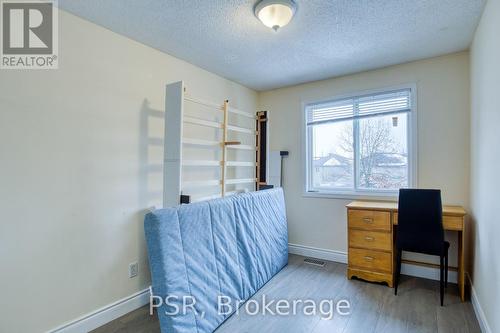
(374, 308)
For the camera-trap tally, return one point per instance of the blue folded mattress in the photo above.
(226, 247)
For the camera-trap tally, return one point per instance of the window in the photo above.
(360, 145)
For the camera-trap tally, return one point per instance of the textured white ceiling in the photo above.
(325, 39)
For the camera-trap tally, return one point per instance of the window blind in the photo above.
(397, 101)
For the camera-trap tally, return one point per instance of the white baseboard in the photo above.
(481, 317)
(105, 314)
(314, 252)
(338, 256)
(425, 272)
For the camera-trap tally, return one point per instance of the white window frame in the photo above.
(361, 194)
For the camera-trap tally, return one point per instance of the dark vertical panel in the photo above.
(261, 154)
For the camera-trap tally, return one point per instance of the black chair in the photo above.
(420, 229)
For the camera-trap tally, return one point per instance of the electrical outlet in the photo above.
(133, 269)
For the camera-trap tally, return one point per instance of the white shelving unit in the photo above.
(176, 163)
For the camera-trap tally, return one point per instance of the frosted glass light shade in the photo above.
(275, 13)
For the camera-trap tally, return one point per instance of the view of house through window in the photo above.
(359, 144)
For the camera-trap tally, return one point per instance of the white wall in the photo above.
(443, 141)
(78, 172)
(485, 162)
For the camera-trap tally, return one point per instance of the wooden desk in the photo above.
(371, 254)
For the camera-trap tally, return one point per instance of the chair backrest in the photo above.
(420, 221)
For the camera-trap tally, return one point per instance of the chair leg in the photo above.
(446, 270)
(441, 278)
(398, 270)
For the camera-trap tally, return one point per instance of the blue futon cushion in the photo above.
(229, 247)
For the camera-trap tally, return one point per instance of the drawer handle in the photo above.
(369, 239)
(368, 220)
(369, 258)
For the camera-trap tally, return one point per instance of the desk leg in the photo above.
(461, 266)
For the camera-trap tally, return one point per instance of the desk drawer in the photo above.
(453, 223)
(373, 260)
(369, 219)
(449, 222)
(373, 240)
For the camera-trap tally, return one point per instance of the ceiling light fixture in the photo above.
(275, 13)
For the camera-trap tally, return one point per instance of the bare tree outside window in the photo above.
(382, 157)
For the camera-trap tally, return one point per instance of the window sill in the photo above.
(385, 196)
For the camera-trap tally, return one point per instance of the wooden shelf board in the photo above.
(238, 163)
(202, 122)
(240, 181)
(200, 163)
